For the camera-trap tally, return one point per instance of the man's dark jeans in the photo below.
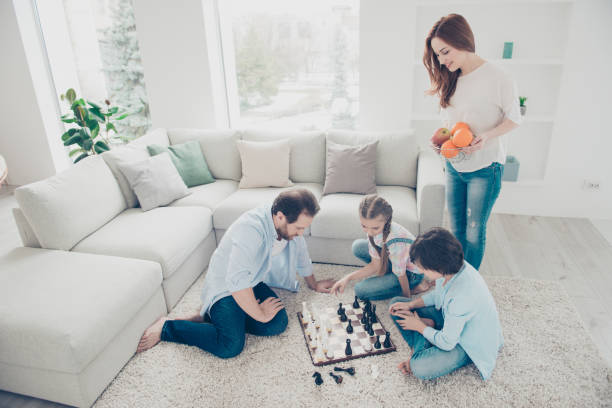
(224, 336)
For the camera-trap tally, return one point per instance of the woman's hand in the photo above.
(477, 143)
(339, 286)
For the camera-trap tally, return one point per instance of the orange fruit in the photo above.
(462, 137)
(458, 126)
(449, 150)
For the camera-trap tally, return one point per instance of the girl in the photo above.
(386, 254)
(456, 323)
(476, 92)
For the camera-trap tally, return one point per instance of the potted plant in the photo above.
(93, 126)
(522, 100)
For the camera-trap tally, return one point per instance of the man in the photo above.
(264, 246)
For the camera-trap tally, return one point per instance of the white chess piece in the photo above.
(368, 346)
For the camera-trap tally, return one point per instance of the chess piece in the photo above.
(373, 314)
(350, 370)
(317, 377)
(349, 328)
(364, 318)
(368, 346)
(340, 309)
(377, 344)
(343, 317)
(387, 342)
(356, 303)
(368, 306)
(337, 378)
(330, 354)
(370, 330)
(366, 326)
(348, 350)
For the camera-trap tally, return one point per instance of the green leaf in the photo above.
(81, 157)
(78, 102)
(113, 110)
(101, 147)
(74, 139)
(68, 120)
(97, 114)
(81, 114)
(75, 151)
(110, 126)
(70, 95)
(92, 124)
(94, 105)
(83, 133)
(87, 144)
(68, 134)
(95, 132)
(123, 116)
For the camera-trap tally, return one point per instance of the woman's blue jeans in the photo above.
(428, 361)
(470, 197)
(225, 335)
(379, 287)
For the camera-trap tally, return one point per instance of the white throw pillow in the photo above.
(156, 181)
(264, 164)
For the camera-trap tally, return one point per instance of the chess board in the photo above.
(338, 335)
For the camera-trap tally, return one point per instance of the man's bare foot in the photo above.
(152, 335)
(404, 367)
(421, 287)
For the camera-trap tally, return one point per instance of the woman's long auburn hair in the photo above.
(456, 32)
(372, 206)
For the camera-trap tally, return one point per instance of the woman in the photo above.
(386, 254)
(456, 323)
(476, 92)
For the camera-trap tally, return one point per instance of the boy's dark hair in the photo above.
(438, 250)
(294, 202)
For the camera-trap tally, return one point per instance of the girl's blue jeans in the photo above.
(470, 197)
(380, 287)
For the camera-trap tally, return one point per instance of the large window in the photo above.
(296, 63)
(103, 49)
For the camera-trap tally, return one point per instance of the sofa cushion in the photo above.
(245, 199)
(156, 136)
(350, 169)
(339, 215)
(189, 161)
(219, 148)
(166, 235)
(396, 157)
(307, 161)
(125, 154)
(60, 309)
(65, 208)
(264, 164)
(208, 195)
(155, 180)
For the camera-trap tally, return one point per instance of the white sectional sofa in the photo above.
(94, 271)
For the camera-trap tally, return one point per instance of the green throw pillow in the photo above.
(189, 162)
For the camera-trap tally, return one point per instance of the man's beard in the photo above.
(283, 234)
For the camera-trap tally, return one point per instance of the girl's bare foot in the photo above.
(152, 335)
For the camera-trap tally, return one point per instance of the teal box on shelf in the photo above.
(508, 50)
(511, 169)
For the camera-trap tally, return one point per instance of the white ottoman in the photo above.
(70, 321)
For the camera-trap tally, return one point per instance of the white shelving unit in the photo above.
(538, 30)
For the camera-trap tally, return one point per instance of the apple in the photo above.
(440, 136)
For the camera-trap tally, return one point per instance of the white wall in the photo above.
(579, 148)
(177, 70)
(386, 64)
(29, 139)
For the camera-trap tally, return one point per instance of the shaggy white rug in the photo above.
(548, 360)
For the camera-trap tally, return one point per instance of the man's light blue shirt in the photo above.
(243, 259)
(470, 318)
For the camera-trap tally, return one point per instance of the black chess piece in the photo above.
(373, 317)
(370, 330)
(368, 306)
(317, 377)
(338, 378)
(340, 308)
(343, 317)
(349, 328)
(356, 304)
(387, 342)
(364, 318)
(377, 344)
(350, 370)
(348, 350)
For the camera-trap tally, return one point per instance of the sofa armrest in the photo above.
(430, 191)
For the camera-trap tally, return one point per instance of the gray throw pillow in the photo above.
(156, 181)
(350, 169)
